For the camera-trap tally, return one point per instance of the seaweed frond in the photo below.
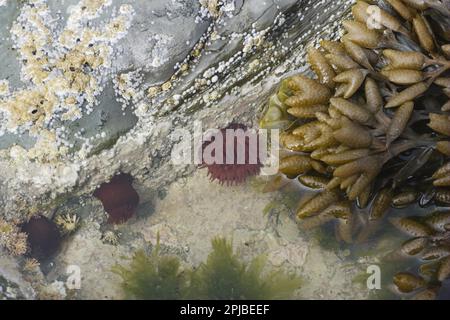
(154, 277)
(224, 277)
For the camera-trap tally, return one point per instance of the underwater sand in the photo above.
(194, 210)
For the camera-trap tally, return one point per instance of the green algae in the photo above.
(222, 276)
(152, 277)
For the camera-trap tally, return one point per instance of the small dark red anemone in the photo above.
(119, 198)
(44, 237)
(234, 173)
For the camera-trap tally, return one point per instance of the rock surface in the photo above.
(12, 283)
(205, 67)
(176, 62)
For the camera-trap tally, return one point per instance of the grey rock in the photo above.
(242, 60)
(12, 284)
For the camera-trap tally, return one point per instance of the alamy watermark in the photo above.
(374, 279)
(73, 281)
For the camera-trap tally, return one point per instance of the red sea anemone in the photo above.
(119, 198)
(44, 237)
(232, 171)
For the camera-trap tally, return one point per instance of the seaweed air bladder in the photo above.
(371, 129)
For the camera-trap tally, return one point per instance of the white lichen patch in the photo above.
(3, 3)
(63, 69)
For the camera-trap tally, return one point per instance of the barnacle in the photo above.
(12, 239)
(110, 237)
(30, 265)
(374, 120)
(68, 222)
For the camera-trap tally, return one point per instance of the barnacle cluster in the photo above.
(63, 70)
(12, 239)
(372, 128)
(430, 244)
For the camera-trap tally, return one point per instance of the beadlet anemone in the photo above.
(43, 235)
(229, 170)
(119, 198)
